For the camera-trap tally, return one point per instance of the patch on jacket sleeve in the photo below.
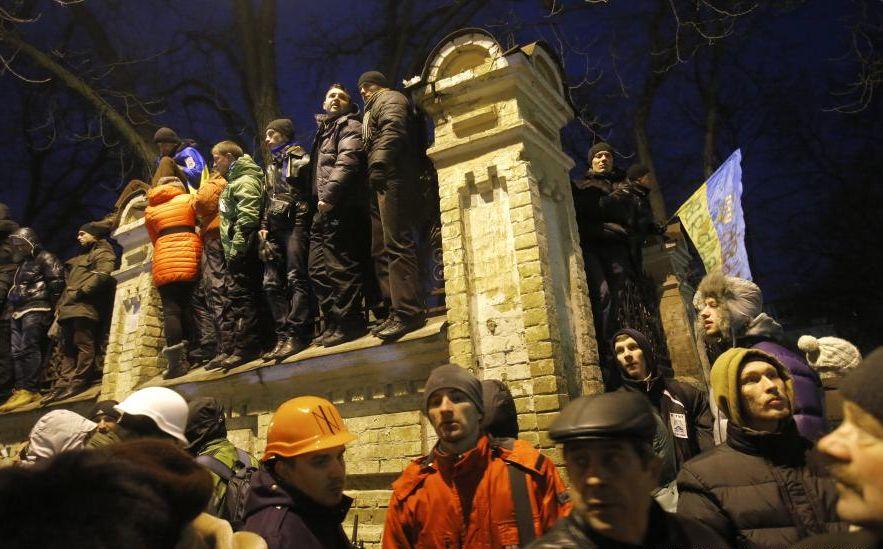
(678, 424)
(563, 497)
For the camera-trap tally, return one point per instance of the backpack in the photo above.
(500, 417)
(232, 507)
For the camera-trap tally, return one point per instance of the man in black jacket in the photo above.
(759, 489)
(337, 253)
(612, 467)
(389, 138)
(36, 286)
(613, 217)
(683, 408)
(855, 454)
(7, 270)
(285, 224)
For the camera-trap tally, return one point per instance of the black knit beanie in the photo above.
(104, 408)
(636, 171)
(451, 376)
(373, 77)
(864, 385)
(284, 126)
(98, 229)
(598, 147)
(166, 135)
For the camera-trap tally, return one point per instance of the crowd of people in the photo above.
(320, 237)
(248, 262)
(182, 483)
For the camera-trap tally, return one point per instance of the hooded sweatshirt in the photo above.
(683, 408)
(56, 432)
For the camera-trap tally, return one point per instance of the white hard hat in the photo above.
(164, 406)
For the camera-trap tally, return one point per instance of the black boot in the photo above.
(397, 328)
(217, 362)
(348, 330)
(175, 355)
(291, 346)
(271, 354)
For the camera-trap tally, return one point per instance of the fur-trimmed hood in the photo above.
(741, 303)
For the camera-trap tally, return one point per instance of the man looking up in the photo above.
(388, 140)
(762, 465)
(612, 467)
(460, 494)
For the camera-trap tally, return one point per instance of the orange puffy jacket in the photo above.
(434, 493)
(206, 205)
(171, 223)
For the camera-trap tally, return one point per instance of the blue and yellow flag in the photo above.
(713, 218)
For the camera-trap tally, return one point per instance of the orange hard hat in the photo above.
(303, 425)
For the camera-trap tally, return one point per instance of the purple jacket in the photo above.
(809, 410)
(286, 518)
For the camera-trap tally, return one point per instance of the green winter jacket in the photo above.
(88, 276)
(240, 206)
(224, 451)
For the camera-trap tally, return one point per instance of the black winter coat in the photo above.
(338, 173)
(389, 138)
(37, 282)
(287, 181)
(685, 411)
(587, 198)
(664, 530)
(88, 282)
(7, 267)
(286, 518)
(758, 490)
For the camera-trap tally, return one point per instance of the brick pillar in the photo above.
(136, 337)
(517, 299)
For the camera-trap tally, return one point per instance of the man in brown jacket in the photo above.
(80, 307)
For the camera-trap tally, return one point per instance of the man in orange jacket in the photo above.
(471, 490)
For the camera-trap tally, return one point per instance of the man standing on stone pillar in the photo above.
(388, 138)
(285, 227)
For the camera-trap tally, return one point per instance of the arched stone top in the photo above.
(547, 64)
(462, 51)
(133, 209)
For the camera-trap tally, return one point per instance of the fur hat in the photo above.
(598, 147)
(725, 380)
(740, 300)
(98, 229)
(374, 77)
(184, 484)
(829, 353)
(166, 135)
(284, 126)
(863, 385)
(452, 376)
(70, 501)
(636, 171)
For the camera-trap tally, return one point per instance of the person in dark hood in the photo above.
(36, 286)
(613, 218)
(285, 226)
(730, 314)
(389, 139)
(337, 254)
(87, 283)
(206, 434)
(683, 408)
(7, 270)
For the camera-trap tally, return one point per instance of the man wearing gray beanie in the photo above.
(470, 485)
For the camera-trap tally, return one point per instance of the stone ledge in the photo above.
(362, 377)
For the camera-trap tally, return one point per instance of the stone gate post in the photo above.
(136, 338)
(518, 306)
